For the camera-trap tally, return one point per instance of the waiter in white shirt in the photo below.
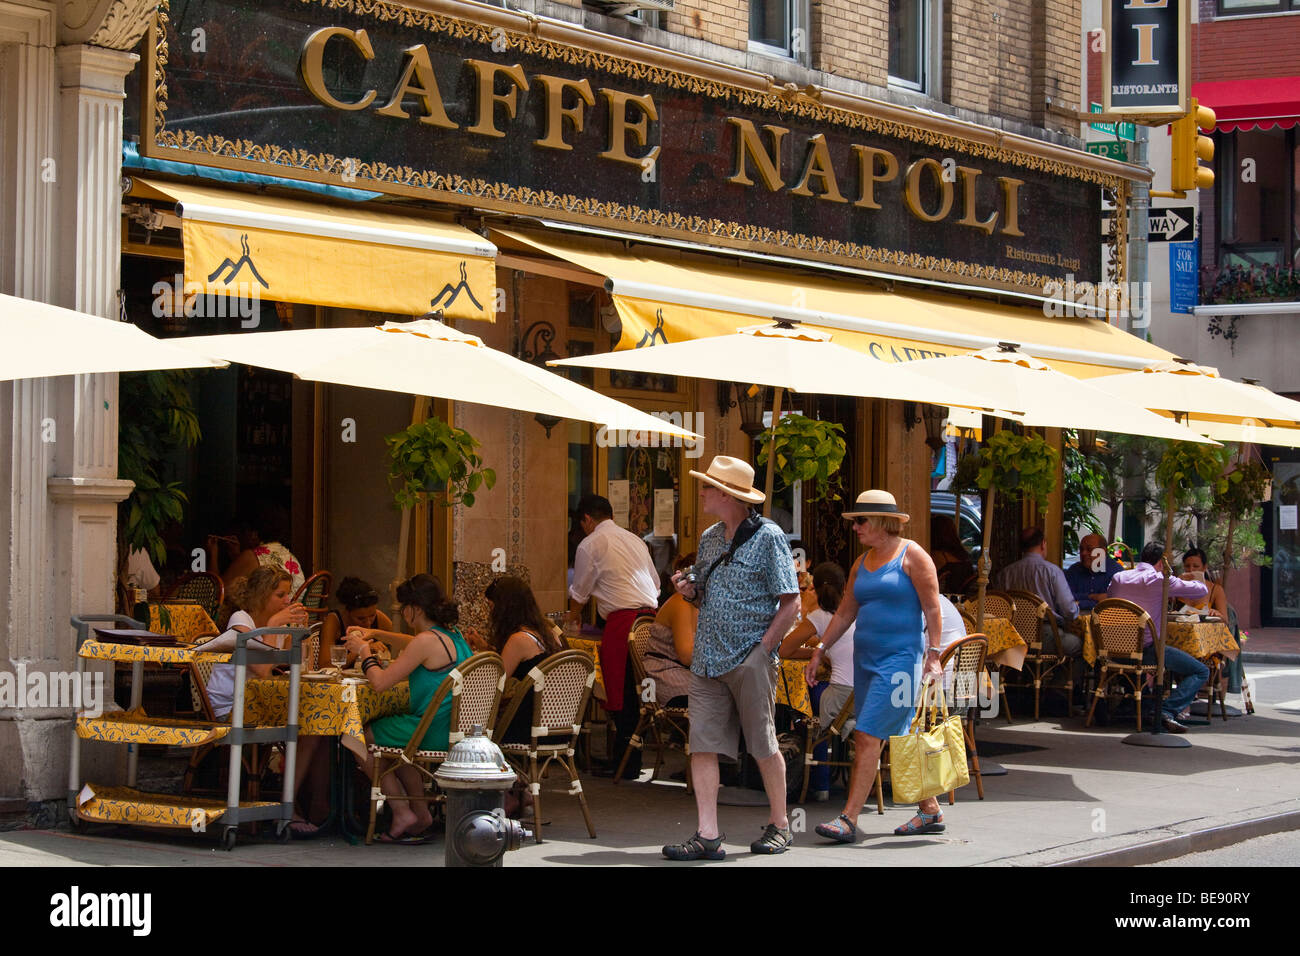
(614, 567)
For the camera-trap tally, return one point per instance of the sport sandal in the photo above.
(841, 830)
(697, 848)
(773, 840)
(930, 823)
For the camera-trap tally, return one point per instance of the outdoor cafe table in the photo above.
(1006, 647)
(185, 622)
(1201, 639)
(326, 708)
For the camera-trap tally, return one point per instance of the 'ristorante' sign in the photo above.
(411, 102)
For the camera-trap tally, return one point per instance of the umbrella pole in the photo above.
(1156, 736)
(987, 520)
(1232, 531)
(771, 452)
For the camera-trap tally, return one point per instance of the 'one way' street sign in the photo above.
(1171, 224)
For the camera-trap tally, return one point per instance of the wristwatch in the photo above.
(931, 647)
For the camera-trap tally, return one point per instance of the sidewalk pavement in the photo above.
(1272, 645)
(1070, 794)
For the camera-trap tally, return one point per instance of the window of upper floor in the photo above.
(779, 27)
(1258, 201)
(1241, 8)
(911, 44)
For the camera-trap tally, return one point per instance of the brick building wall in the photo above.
(724, 22)
(851, 39)
(1245, 48)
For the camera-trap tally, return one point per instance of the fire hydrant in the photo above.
(475, 777)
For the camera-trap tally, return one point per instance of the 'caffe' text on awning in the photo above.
(435, 107)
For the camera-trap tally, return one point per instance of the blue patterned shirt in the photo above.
(740, 598)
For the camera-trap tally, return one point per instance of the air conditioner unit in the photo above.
(621, 8)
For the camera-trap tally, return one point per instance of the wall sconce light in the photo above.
(750, 399)
(932, 415)
(535, 348)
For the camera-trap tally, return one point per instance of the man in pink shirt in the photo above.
(1143, 586)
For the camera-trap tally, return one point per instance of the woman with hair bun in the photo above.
(425, 660)
(359, 608)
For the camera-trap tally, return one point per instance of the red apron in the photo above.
(613, 653)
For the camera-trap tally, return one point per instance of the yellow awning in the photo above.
(358, 257)
(674, 296)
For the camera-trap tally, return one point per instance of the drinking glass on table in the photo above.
(339, 655)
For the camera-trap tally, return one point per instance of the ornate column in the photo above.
(60, 238)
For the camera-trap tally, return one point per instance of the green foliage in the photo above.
(806, 450)
(1186, 465)
(434, 458)
(1019, 465)
(1239, 492)
(157, 418)
(1084, 487)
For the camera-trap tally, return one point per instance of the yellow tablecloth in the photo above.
(592, 647)
(186, 622)
(326, 708)
(1082, 626)
(104, 651)
(1006, 647)
(791, 688)
(1202, 639)
(137, 727)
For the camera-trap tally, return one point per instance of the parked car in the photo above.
(970, 525)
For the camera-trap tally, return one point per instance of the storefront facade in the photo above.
(573, 191)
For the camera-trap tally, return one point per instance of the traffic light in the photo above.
(1190, 147)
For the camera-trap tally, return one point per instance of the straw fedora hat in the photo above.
(734, 477)
(874, 502)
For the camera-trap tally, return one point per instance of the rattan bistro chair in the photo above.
(967, 659)
(1118, 626)
(663, 728)
(475, 687)
(559, 689)
(314, 594)
(1003, 605)
(1028, 615)
(203, 588)
(818, 735)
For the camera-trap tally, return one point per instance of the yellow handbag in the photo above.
(925, 763)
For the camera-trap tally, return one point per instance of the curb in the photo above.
(1268, 657)
(1197, 841)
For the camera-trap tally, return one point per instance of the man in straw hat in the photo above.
(745, 586)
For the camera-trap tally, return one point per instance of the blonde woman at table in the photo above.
(893, 591)
(425, 660)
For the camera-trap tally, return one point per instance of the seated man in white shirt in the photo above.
(613, 567)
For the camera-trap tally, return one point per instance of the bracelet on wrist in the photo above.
(371, 661)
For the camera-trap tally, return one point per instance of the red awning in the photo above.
(1247, 104)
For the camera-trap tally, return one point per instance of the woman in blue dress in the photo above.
(893, 590)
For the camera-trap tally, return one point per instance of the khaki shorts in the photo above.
(741, 699)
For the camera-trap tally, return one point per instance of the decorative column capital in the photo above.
(94, 70)
(89, 490)
(111, 24)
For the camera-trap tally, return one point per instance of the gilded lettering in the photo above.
(311, 65)
(912, 190)
(968, 176)
(620, 128)
(868, 175)
(418, 80)
(1010, 205)
(818, 164)
(766, 159)
(557, 112)
(489, 98)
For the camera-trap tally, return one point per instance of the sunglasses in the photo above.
(860, 520)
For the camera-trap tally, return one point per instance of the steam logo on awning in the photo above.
(236, 267)
(648, 338)
(454, 291)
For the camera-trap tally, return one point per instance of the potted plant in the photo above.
(434, 459)
(805, 449)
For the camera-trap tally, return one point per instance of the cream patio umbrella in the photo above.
(426, 357)
(787, 356)
(43, 340)
(1045, 398)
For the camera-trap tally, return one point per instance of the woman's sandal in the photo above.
(697, 848)
(930, 823)
(841, 830)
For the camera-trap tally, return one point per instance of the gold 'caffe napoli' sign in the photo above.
(419, 103)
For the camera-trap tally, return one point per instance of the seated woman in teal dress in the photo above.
(425, 660)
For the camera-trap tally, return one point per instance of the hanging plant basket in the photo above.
(806, 450)
(434, 461)
(1023, 465)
